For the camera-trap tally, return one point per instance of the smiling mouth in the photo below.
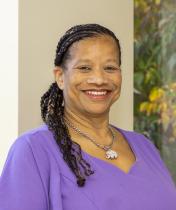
(97, 94)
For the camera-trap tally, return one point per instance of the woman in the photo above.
(76, 160)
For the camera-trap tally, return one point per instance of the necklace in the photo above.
(109, 154)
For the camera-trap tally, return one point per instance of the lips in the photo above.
(97, 94)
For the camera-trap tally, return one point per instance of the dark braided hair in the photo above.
(52, 108)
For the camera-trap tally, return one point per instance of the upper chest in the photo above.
(126, 156)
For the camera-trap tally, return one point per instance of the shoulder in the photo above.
(35, 134)
(137, 138)
(25, 173)
(143, 144)
(39, 137)
(34, 151)
(148, 151)
(36, 144)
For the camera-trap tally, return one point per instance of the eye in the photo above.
(84, 68)
(112, 68)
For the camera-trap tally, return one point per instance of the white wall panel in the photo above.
(8, 76)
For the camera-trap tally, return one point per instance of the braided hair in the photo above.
(52, 108)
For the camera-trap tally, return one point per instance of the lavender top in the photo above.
(35, 177)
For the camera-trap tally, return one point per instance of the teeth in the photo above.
(97, 93)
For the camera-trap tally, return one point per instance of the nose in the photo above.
(97, 78)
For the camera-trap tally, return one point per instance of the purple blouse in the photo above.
(35, 177)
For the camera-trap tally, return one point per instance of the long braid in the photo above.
(52, 114)
(52, 109)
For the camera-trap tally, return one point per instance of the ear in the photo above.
(58, 74)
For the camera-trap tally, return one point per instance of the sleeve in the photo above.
(21, 187)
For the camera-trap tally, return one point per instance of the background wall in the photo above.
(8, 76)
(41, 23)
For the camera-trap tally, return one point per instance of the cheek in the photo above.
(71, 86)
(120, 80)
(74, 82)
(117, 80)
(68, 80)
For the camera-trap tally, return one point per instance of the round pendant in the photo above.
(111, 154)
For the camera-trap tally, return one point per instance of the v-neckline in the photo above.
(112, 165)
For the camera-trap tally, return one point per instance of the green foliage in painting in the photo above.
(155, 74)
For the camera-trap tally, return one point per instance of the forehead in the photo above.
(101, 44)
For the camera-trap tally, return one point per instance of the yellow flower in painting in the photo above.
(143, 106)
(149, 108)
(156, 94)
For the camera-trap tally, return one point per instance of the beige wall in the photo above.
(41, 23)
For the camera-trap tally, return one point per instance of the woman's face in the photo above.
(91, 82)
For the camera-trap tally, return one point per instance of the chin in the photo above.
(97, 111)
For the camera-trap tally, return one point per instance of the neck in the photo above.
(92, 124)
